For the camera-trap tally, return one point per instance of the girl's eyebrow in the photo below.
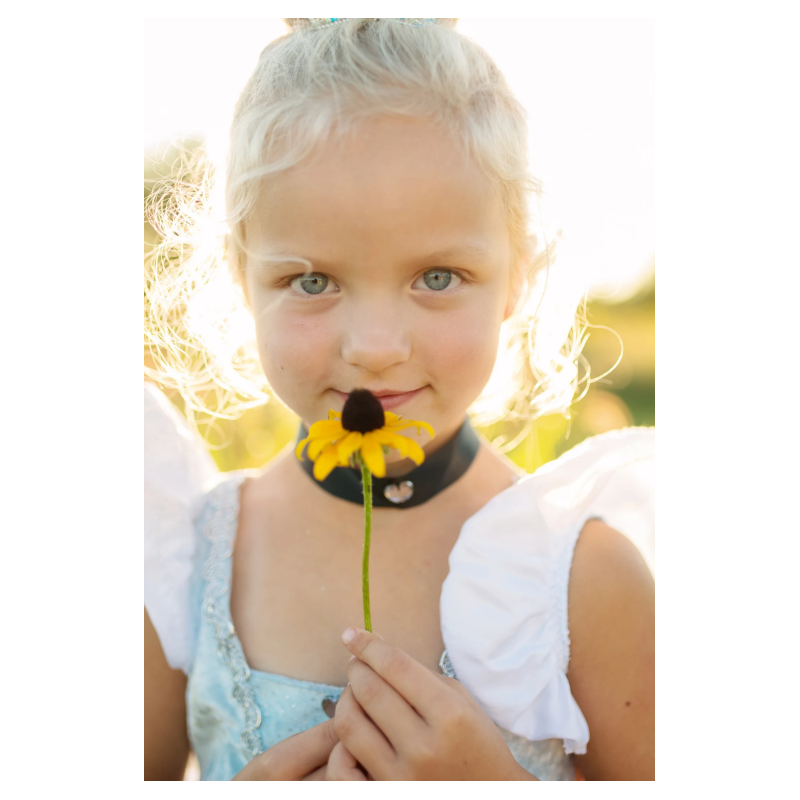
(458, 251)
(279, 262)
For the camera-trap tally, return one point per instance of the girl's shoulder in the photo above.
(177, 546)
(504, 603)
(609, 477)
(178, 472)
(176, 462)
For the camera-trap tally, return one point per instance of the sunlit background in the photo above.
(588, 86)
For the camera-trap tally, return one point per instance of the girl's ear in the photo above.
(518, 271)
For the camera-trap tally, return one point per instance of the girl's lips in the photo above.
(390, 401)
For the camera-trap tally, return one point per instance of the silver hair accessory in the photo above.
(324, 22)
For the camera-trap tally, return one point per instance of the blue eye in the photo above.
(438, 279)
(315, 283)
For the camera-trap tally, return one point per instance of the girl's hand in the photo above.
(399, 721)
(302, 757)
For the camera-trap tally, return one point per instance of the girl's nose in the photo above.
(375, 341)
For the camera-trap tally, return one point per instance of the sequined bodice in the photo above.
(235, 712)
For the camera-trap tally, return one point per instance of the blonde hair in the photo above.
(308, 85)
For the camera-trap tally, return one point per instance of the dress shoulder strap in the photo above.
(218, 519)
(218, 524)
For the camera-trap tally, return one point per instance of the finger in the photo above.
(388, 709)
(294, 757)
(311, 748)
(342, 766)
(415, 683)
(459, 688)
(362, 737)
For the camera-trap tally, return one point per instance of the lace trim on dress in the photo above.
(445, 666)
(220, 527)
(559, 596)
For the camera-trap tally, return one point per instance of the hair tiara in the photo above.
(313, 23)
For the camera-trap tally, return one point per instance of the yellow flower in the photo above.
(363, 427)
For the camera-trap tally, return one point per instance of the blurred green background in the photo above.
(624, 397)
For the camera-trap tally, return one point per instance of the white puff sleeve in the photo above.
(177, 469)
(504, 602)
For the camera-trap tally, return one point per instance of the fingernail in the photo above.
(349, 635)
(352, 659)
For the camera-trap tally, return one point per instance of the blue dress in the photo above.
(235, 712)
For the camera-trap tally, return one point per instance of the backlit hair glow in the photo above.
(315, 83)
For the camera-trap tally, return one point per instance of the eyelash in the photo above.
(289, 281)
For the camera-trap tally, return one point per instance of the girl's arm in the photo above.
(398, 720)
(166, 743)
(612, 654)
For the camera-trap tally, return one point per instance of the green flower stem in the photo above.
(366, 481)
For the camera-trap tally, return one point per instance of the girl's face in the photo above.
(409, 280)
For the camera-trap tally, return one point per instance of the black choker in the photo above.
(435, 474)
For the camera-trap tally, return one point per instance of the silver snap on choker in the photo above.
(398, 492)
(434, 475)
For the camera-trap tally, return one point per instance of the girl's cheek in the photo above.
(465, 350)
(296, 353)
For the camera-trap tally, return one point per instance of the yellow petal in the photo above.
(347, 446)
(373, 455)
(407, 448)
(299, 449)
(390, 418)
(334, 414)
(325, 428)
(324, 465)
(318, 445)
(410, 423)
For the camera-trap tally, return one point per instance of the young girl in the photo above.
(377, 198)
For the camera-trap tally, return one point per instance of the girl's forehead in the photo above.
(389, 178)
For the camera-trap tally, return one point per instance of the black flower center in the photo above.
(362, 412)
